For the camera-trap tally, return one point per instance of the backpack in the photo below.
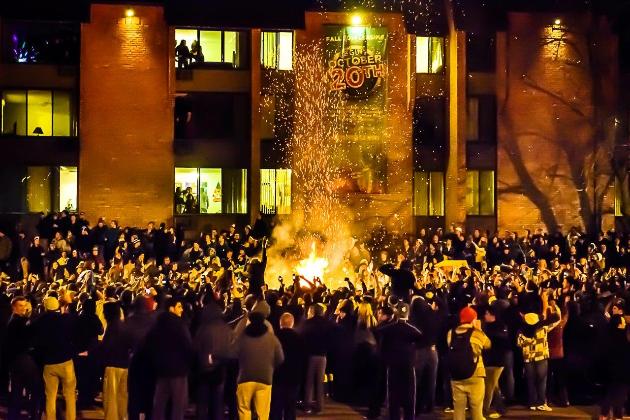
(461, 359)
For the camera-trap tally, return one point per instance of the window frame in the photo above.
(235, 65)
(197, 191)
(73, 115)
(477, 193)
(429, 196)
(429, 69)
(274, 209)
(276, 47)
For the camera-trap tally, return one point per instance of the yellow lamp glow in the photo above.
(356, 20)
(130, 13)
(557, 22)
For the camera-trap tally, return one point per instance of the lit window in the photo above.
(207, 46)
(480, 193)
(37, 113)
(622, 194)
(429, 54)
(277, 50)
(68, 185)
(428, 194)
(210, 191)
(275, 191)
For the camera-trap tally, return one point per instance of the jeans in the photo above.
(469, 391)
(175, 390)
(492, 393)
(314, 386)
(210, 394)
(401, 391)
(283, 401)
(53, 375)
(507, 378)
(115, 393)
(261, 396)
(557, 381)
(26, 388)
(426, 364)
(536, 376)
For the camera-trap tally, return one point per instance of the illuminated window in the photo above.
(210, 191)
(276, 50)
(275, 191)
(480, 193)
(37, 113)
(429, 54)
(209, 46)
(234, 191)
(51, 188)
(428, 194)
(68, 186)
(14, 112)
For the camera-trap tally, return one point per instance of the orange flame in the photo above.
(312, 267)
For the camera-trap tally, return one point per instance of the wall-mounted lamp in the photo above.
(130, 13)
(356, 20)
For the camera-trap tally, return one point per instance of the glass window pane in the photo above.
(39, 113)
(14, 112)
(422, 54)
(230, 47)
(472, 121)
(268, 191)
(188, 35)
(211, 45)
(285, 51)
(186, 190)
(472, 193)
(486, 193)
(68, 177)
(62, 114)
(436, 196)
(210, 190)
(283, 191)
(437, 54)
(38, 189)
(421, 194)
(235, 191)
(268, 49)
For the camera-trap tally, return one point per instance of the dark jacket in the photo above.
(115, 349)
(53, 337)
(17, 340)
(290, 372)
(213, 342)
(397, 343)
(498, 334)
(403, 281)
(169, 346)
(319, 336)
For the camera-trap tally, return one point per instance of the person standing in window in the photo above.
(196, 54)
(182, 53)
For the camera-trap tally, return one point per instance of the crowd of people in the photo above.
(157, 326)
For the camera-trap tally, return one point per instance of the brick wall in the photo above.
(126, 115)
(554, 121)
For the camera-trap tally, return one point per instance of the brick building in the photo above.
(507, 115)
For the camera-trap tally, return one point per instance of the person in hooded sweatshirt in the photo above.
(259, 353)
(213, 345)
(170, 348)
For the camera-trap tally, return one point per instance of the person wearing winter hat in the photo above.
(532, 339)
(466, 343)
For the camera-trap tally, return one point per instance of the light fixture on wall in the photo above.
(130, 13)
(38, 131)
(356, 20)
(131, 18)
(557, 24)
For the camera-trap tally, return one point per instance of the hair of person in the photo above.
(17, 299)
(173, 301)
(287, 320)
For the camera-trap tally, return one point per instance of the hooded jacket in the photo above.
(214, 340)
(259, 353)
(170, 346)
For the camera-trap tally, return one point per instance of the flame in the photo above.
(311, 267)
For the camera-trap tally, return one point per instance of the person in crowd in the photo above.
(617, 365)
(319, 336)
(53, 338)
(259, 354)
(466, 365)
(114, 354)
(494, 361)
(171, 353)
(289, 375)
(182, 54)
(397, 343)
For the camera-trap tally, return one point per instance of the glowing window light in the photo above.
(356, 20)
